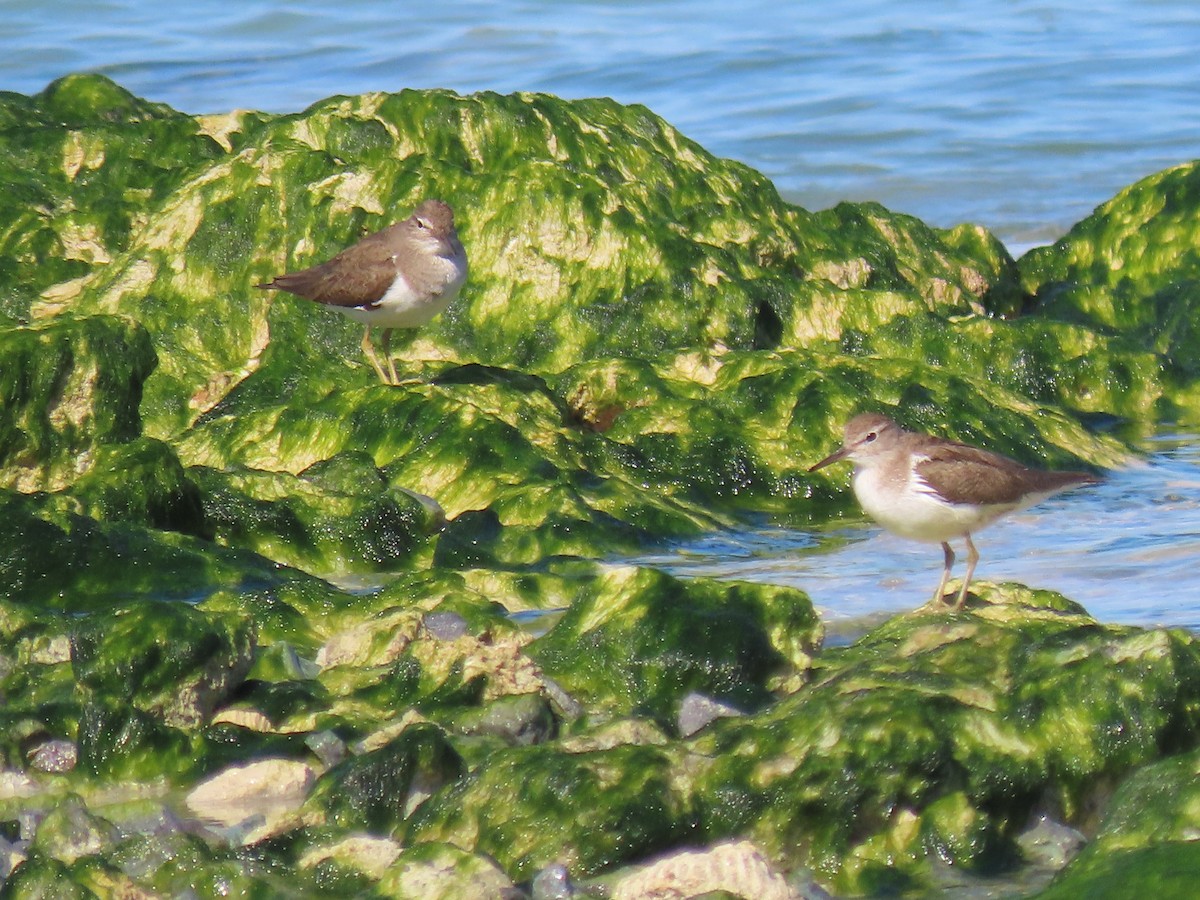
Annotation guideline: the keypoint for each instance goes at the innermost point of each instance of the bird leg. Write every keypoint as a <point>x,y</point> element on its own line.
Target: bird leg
<point>949,555</point>
<point>972,558</point>
<point>369,351</point>
<point>387,354</point>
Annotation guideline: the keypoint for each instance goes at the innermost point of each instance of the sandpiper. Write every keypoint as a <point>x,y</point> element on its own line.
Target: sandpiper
<point>931,489</point>
<point>400,277</point>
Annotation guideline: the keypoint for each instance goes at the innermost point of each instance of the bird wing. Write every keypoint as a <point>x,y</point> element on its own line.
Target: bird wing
<point>964,474</point>
<point>358,276</point>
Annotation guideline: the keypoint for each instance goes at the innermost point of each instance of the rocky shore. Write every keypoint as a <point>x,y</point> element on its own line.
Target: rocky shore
<point>271,628</point>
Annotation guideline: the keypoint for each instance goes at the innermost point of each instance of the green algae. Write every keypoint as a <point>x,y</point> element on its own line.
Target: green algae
<point>141,483</point>
<point>306,522</point>
<point>638,640</point>
<point>1168,871</point>
<point>556,269</point>
<point>59,559</point>
<point>370,792</point>
<point>67,388</point>
<point>939,732</point>
<point>84,160</point>
<point>652,344</point>
<point>533,806</point>
<point>560,455</point>
<point>1130,269</point>
<point>169,659</point>
<point>1147,839</point>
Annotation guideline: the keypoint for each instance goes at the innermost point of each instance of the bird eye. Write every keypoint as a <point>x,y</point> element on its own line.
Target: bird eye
<point>421,223</point>
<point>870,437</point>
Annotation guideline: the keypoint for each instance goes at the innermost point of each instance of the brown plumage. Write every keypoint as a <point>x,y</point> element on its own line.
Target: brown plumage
<point>400,277</point>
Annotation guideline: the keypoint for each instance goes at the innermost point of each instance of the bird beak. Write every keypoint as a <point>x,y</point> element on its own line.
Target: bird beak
<point>836,456</point>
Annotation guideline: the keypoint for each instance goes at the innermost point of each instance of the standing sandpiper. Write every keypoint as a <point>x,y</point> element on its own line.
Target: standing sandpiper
<point>400,277</point>
<point>931,489</point>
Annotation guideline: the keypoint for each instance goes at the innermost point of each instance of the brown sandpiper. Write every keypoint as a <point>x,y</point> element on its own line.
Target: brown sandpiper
<point>931,489</point>
<point>400,277</point>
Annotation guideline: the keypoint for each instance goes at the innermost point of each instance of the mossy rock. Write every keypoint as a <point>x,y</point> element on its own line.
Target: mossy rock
<point>83,161</point>
<point>493,450</point>
<point>644,243</point>
<point>37,682</point>
<point>1058,364</point>
<point>59,559</point>
<point>168,659</point>
<point>638,640</point>
<point>529,807</point>
<point>651,344</point>
<point>613,454</point>
<point>68,387</point>
<point>45,877</point>
<point>1167,871</point>
<point>339,517</point>
<point>940,733</point>
<point>1146,844</point>
<point>439,871</point>
<point>1131,268</point>
<point>141,482</point>
<point>676,272</point>
<point>376,791</point>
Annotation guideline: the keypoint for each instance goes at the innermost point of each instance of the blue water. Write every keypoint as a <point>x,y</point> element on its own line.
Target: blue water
<point>1128,550</point>
<point>1021,116</point>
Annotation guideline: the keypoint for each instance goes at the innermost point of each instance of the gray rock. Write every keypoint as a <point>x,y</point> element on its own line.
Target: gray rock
<point>553,883</point>
<point>327,747</point>
<point>523,719</point>
<point>698,710</point>
<point>568,706</point>
<point>1050,843</point>
<point>54,756</point>
<point>445,626</point>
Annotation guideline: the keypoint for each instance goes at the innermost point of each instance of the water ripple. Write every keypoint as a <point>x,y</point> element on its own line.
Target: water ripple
<point>1021,116</point>
<point>1127,549</point>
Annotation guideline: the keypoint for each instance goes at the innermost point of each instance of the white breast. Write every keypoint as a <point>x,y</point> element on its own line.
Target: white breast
<point>404,307</point>
<point>911,509</point>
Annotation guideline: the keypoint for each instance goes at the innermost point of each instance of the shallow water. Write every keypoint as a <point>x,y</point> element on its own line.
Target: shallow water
<point>1127,549</point>
<point>1021,116</point>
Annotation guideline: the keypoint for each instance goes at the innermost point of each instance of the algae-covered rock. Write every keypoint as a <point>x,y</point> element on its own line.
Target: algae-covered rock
<point>1168,871</point>
<point>1130,268</point>
<point>41,876</point>
<point>84,161</point>
<point>56,558</point>
<point>376,791</point>
<point>937,736</point>
<point>493,449</point>
<point>444,872</point>
<point>593,229</point>
<point>70,831</point>
<point>652,344</point>
<point>941,734</point>
<point>168,659</point>
<point>638,640</point>
<point>66,388</point>
<point>528,807</point>
<point>143,483</point>
<point>1149,841</point>
<point>313,522</point>
<point>596,232</point>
